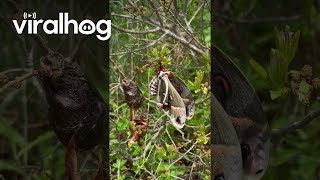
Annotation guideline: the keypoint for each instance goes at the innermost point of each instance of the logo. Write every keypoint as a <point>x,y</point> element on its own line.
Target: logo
<point>26,15</point>
<point>62,25</point>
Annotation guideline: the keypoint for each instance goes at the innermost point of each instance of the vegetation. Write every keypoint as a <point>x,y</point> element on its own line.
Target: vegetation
<point>29,149</point>
<point>275,43</point>
<point>176,33</point>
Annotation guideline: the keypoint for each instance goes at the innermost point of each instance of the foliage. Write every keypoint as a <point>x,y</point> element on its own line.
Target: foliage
<point>162,152</point>
<point>282,64</point>
<point>28,147</point>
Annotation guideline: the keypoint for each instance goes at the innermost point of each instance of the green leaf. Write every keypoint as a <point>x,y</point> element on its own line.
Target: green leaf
<point>277,72</point>
<point>42,138</point>
<point>294,46</point>
<point>10,133</point>
<point>258,68</point>
<point>304,87</point>
<point>198,79</point>
<point>203,139</point>
<point>274,94</point>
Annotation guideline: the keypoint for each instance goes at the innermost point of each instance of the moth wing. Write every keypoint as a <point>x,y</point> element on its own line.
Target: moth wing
<point>185,94</point>
<point>241,100</point>
<point>177,107</point>
<point>225,148</point>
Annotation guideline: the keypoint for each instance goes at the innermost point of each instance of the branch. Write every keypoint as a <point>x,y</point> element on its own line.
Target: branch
<point>18,80</point>
<point>117,69</point>
<point>145,47</point>
<point>14,70</point>
<point>296,125</point>
<point>135,32</point>
<point>163,29</point>
<point>76,49</point>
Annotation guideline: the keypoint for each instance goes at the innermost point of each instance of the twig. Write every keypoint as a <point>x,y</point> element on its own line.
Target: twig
<point>14,70</point>
<point>184,154</point>
<point>18,80</point>
<point>164,30</point>
<point>203,100</point>
<point>76,49</point>
<point>159,131</point>
<point>296,125</point>
<point>117,69</point>
<point>135,32</point>
<point>145,47</point>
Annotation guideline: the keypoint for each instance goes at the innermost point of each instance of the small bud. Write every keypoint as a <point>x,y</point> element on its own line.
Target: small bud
<point>307,71</point>
<point>316,83</point>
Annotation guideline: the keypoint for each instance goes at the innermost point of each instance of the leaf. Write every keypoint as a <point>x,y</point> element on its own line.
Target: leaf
<point>294,45</point>
<point>203,139</point>
<point>258,68</point>
<point>198,79</point>
<point>304,87</point>
<point>71,159</point>
<point>42,138</point>
<point>10,133</point>
<point>274,94</point>
<point>276,71</point>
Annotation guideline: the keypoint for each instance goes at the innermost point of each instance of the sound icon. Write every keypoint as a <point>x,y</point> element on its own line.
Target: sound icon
<point>27,15</point>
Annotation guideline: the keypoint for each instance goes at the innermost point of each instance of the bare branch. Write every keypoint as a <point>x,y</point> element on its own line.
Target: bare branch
<point>18,80</point>
<point>76,49</point>
<point>14,70</point>
<point>297,125</point>
<point>157,12</point>
<point>135,32</point>
<point>149,21</point>
<point>117,69</point>
<point>149,45</point>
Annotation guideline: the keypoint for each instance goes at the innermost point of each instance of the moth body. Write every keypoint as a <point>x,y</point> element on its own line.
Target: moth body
<point>169,97</point>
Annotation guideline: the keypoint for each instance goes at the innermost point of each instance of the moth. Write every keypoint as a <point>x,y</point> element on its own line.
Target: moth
<point>76,109</point>
<point>239,100</point>
<point>226,152</point>
<point>173,93</point>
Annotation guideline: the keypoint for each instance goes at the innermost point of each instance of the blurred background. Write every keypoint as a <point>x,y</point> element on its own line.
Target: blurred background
<point>276,45</point>
<point>28,147</point>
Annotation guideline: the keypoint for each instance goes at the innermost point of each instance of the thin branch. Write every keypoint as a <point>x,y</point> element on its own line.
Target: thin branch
<point>184,154</point>
<point>296,125</point>
<point>157,12</point>
<point>203,100</point>
<point>117,69</point>
<point>145,47</point>
<point>135,32</point>
<point>18,80</point>
<point>153,138</point>
<point>195,14</point>
<point>76,49</point>
<point>14,70</point>
<point>165,30</point>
